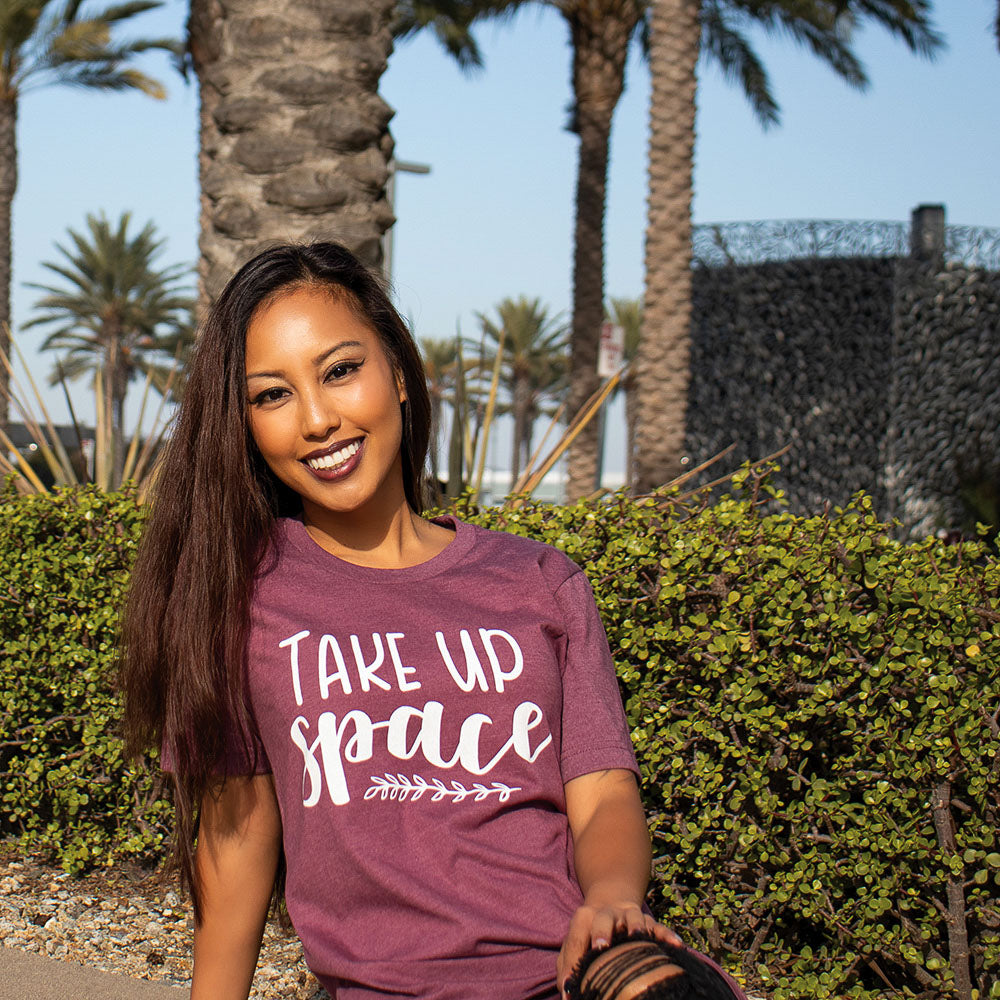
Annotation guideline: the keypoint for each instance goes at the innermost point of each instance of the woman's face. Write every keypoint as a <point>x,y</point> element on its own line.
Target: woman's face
<point>324,404</point>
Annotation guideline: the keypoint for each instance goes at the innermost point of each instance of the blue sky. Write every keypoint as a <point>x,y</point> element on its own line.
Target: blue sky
<point>494,216</point>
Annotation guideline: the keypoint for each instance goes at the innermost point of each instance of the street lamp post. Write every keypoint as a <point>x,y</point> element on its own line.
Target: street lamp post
<point>395,167</point>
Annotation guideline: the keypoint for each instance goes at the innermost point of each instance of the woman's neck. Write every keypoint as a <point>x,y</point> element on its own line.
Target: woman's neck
<point>388,539</point>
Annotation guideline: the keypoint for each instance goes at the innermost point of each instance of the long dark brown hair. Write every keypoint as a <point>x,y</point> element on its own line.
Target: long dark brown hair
<point>187,618</point>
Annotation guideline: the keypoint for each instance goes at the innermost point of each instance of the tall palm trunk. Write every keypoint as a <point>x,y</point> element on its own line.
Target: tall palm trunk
<point>115,387</point>
<point>294,137</point>
<point>521,406</point>
<point>600,36</point>
<point>662,362</point>
<point>436,406</point>
<point>8,185</point>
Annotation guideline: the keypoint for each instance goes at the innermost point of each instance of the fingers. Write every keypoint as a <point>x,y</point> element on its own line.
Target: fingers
<point>661,933</point>
<point>593,927</point>
<point>575,944</point>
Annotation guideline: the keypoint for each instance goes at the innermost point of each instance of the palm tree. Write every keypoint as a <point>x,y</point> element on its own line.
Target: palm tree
<point>44,43</point>
<point>116,314</point>
<point>294,140</point>
<point>679,29</point>
<point>294,136</point>
<point>661,367</point>
<point>627,313</point>
<point>533,366</point>
<point>600,33</point>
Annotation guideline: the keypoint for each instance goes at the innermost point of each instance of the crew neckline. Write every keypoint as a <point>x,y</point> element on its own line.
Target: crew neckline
<point>296,535</point>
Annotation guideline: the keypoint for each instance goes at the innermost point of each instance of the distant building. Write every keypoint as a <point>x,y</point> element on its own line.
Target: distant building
<point>24,440</point>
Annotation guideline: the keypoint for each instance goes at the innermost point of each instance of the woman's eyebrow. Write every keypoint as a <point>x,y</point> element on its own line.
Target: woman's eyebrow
<point>316,362</point>
<point>320,358</point>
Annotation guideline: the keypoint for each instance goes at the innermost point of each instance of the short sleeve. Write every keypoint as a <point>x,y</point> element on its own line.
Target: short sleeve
<point>595,734</point>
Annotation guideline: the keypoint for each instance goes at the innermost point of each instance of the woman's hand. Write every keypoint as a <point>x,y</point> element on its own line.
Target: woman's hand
<point>612,860</point>
<point>596,921</point>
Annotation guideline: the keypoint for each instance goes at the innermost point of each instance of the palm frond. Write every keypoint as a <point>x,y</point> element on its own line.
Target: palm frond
<point>908,20</point>
<point>109,78</point>
<point>80,42</point>
<point>19,20</point>
<point>70,367</point>
<point>60,45</point>
<point>627,313</point>
<point>450,22</point>
<point>124,11</point>
<point>738,62</point>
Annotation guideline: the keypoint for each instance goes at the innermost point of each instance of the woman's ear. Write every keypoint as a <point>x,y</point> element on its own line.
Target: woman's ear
<point>401,389</point>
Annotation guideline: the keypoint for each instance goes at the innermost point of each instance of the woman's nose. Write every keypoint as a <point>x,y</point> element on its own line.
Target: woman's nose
<point>318,416</point>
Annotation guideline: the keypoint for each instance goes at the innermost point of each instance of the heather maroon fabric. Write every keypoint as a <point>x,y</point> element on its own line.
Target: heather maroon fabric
<point>420,724</point>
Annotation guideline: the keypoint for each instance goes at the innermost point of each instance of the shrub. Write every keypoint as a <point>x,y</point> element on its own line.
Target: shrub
<point>814,708</point>
<point>815,713</point>
<point>65,788</point>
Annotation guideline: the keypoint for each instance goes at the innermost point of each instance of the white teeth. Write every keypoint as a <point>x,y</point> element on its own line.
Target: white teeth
<point>337,458</point>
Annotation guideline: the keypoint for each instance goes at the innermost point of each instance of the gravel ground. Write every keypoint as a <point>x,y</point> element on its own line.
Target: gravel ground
<point>130,922</point>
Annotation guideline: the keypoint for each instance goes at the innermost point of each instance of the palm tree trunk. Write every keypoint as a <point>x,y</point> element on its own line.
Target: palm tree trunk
<point>8,185</point>
<point>117,386</point>
<point>521,404</point>
<point>663,358</point>
<point>294,137</point>
<point>529,433</point>
<point>435,438</point>
<point>600,36</point>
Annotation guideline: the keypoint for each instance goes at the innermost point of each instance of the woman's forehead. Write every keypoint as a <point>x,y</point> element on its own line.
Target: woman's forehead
<point>305,319</point>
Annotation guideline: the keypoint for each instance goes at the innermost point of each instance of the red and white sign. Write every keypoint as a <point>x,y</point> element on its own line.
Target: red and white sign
<point>611,353</point>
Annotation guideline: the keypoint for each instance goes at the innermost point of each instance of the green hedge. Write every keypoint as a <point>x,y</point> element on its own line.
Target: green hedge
<point>814,708</point>
<point>64,787</point>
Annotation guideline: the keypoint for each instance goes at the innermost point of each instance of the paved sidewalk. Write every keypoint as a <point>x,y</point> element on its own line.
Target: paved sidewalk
<point>27,976</point>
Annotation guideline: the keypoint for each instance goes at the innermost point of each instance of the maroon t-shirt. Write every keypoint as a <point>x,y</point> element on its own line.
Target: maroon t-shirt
<point>420,724</point>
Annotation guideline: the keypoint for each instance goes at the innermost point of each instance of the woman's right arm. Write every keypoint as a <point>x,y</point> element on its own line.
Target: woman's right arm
<point>239,842</point>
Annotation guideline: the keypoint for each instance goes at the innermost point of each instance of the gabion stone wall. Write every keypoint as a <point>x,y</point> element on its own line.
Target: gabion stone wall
<point>942,446</point>
<point>794,352</point>
<point>882,374</point>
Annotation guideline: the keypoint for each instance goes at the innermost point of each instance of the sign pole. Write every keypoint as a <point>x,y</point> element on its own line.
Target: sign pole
<point>610,355</point>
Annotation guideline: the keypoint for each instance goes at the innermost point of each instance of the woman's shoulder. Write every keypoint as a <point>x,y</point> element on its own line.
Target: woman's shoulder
<point>517,553</point>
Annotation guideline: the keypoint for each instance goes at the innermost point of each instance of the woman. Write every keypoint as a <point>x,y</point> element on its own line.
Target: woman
<point>417,720</point>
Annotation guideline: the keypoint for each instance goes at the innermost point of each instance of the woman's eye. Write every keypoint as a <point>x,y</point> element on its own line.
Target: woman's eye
<point>342,369</point>
<point>267,396</point>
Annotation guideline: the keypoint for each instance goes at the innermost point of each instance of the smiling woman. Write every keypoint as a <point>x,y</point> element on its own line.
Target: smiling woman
<point>418,718</point>
<point>327,410</point>
<point>326,413</point>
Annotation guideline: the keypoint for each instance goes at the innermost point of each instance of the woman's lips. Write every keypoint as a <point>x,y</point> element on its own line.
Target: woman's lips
<point>336,464</point>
